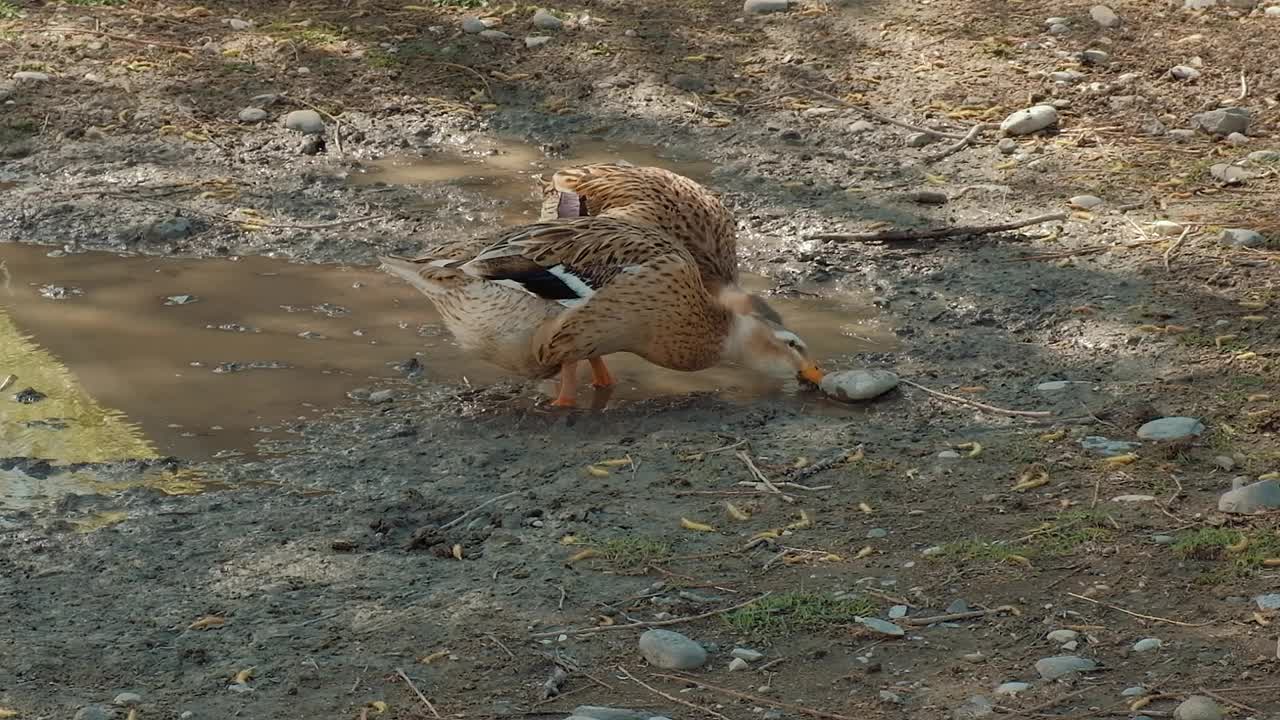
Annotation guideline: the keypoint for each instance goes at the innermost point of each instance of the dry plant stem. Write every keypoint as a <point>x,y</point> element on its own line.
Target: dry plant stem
<point>937,233</point>
<point>756,698</point>
<point>882,118</point>
<point>479,76</point>
<point>1153,618</point>
<point>949,617</point>
<point>1177,245</point>
<point>430,708</point>
<point>963,142</point>
<point>672,698</point>
<point>1227,700</point>
<point>976,404</point>
<point>477,509</point>
<point>1051,703</point>
<point>759,476</point>
<point>655,623</point>
<point>122,38</point>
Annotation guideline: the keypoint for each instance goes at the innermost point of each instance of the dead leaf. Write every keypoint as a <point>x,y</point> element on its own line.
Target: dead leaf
<point>207,622</point>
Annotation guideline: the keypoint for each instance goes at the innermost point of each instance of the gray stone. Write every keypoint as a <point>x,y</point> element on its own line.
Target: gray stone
<point>883,627</point>
<point>544,20</point>
<point>253,115</point>
<point>1237,139</point>
<point>1264,157</point>
<point>1033,119</point>
<point>1104,16</point>
<point>1222,122</point>
<point>1095,57</point>
<point>31,76</point>
<point>1135,691</point>
<point>1247,499</point>
<point>1059,29</point>
<point>817,112</point>
<point>852,385</point>
<point>1148,644</point>
<point>1012,688</point>
<point>127,699</point>
<point>1231,174</point>
<point>1180,135</point>
<point>1106,447</point>
<point>94,712</point>
<point>861,126</point>
<point>1242,237</point>
<point>238,24</point>
<point>747,654</point>
<point>494,35</point>
<point>877,533</point>
<point>1084,202</point>
<point>534,41</point>
<point>738,664</point>
<point>671,650</point>
<point>1062,636</point>
<point>1270,601</point>
<point>928,197</point>
<point>170,229</point>
<point>762,7</point>
<point>1225,463</point>
<point>307,122</point>
<point>1184,72</point>
<point>1198,707</point>
<point>890,697</point>
<point>381,396</point>
<point>1052,668</point>
<point>1167,228</point>
<point>1273,11</point>
<point>897,612</point>
<point>1007,146</point>
<point>1171,429</point>
<point>1163,539</point>
<point>919,140</point>
<point>975,708</point>
<point>600,712</point>
<point>1066,77</point>
<point>948,455</point>
<point>473,25</point>
<point>1057,20</point>
<point>958,605</point>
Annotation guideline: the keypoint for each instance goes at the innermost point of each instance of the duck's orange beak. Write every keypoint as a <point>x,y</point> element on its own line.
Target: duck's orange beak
<point>812,374</point>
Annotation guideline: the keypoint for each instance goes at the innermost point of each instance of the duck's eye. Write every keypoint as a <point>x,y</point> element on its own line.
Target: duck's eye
<point>793,343</point>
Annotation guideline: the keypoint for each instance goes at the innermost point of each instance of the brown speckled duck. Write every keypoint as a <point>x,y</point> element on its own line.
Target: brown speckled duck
<point>538,299</point>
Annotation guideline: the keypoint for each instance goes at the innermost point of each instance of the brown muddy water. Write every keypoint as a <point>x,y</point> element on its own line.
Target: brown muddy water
<point>143,356</point>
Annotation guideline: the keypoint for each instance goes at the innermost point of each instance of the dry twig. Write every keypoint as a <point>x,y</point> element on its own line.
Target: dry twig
<point>477,509</point>
<point>431,708</point>
<point>760,476</point>
<point>882,118</point>
<point>655,623</point>
<point>760,700</point>
<point>1174,247</point>
<point>1153,618</point>
<point>976,404</point>
<point>963,142</point>
<point>672,698</point>
<point>123,38</point>
<point>1220,698</point>
<point>938,233</point>
<point>949,617</point>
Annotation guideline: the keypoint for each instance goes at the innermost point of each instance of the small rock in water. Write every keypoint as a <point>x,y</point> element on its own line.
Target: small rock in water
<point>747,654</point>
<point>253,115</point>
<point>29,396</point>
<point>1062,636</point>
<point>852,385</point>
<point>738,664</point>
<point>1184,72</point>
<point>534,41</point>
<point>307,122</point>
<point>1269,601</point>
<point>1104,16</point>
<point>1012,688</point>
<point>1198,707</point>
<point>762,7</point>
<point>1085,202</point>
<point>883,627</point>
<point>544,20</point>
<point>1222,122</point>
<point>1147,645</point>
<point>1107,447</point>
<point>671,650</point>
<point>473,25</point>
<point>975,708</point>
<point>31,76</point>
<point>94,712</point>
<point>127,699</point>
<point>1052,668</point>
<point>1033,119</point>
<point>1248,499</point>
<point>1242,237</point>
<point>1171,429</point>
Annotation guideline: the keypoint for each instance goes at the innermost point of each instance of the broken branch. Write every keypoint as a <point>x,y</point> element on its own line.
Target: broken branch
<point>937,233</point>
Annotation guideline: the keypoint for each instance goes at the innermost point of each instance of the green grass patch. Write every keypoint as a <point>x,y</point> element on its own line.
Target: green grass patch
<point>1072,530</point>
<point>632,552</point>
<point>800,610</point>
<point>9,11</point>
<point>96,3</point>
<point>978,550</point>
<point>1242,552</point>
<point>460,3</point>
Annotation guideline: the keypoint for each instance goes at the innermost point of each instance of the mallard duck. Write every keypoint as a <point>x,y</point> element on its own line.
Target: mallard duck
<point>538,299</point>
<point>682,208</point>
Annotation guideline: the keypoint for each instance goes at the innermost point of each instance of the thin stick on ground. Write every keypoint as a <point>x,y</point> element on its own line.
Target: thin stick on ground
<point>1048,704</point>
<point>672,698</point>
<point>950,617</point>
<point>976,404</point>
<point>477,509</point>
<point>1244,87</point>
<point>123,38</point>
<point>430,708</point>
<point>877,116</point>
<point>938,233</point>
<point>760,476</point>
<point>655,623</point>
<point>1173,248</point>
<point>963,142</point>
<point>1153,618</point>
<point>758,699</point>
<point>1220,698</point>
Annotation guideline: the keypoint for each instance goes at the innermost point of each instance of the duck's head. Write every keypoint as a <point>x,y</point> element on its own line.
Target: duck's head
<point>769,348</point>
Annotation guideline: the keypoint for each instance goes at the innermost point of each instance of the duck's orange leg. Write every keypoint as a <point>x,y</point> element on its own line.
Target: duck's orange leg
<point>568,385</point>
<point>600,376</point>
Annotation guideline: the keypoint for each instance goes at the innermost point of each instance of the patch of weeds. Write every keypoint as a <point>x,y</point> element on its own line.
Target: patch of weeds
<point>314,37</point>
<point>975,550</point>
<point>406,53</point>
<point>1245,552</point>
<point>9,11</point>
<point>1072,530</point>
<point>96,3</point>
<point>633,552</point>
<point>460,3</point>
<point>1208,543</point>
<point>799,610</point>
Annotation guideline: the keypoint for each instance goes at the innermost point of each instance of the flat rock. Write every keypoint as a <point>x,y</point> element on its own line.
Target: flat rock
<point>853,385</point>
<point>763,7</point>
<point>1084,202</point>
<point>600,712</point>
<point>534,41</point>
<point>975,708</point>
<point>1104,16</point>
<point>127,699</point>
<point>1242,237</point>
<point>94,712</point>
<point>1148,644</point>
<point>919,140</point>
<point>494,35</point>
<point>307,122</point>
<point>1107,447</point>
<point>746,654</point>
<point>1270,601</point>
<point>473,25</point>
<point>1095,57</point>
<point>1231,174</point>
<point>1264,157</point>
<point>544,20</point>
<point>671,650</point>
<point>1222,122</point>
<point>1182,135</point>
<point>1171,429</point>
<point>1184,72</point>
<point>897,612</point>
<point>883,627</point>
<point>1198,707</point>
<point>253,115</point>
<point>1135,691</point>
<point>1248,499</point>
<point>1062,636</point>
<point>1237,139</point>
<point>1052,668</point>
<point>31,76</point>
<point>1012,688</point>
<point>1032,119</point>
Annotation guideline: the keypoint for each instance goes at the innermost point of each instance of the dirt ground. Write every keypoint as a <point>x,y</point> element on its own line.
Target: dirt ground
<point>302,582</point>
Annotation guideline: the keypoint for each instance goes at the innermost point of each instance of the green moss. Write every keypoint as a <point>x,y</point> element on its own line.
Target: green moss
<point>633,552</point>
<point>800,610</point>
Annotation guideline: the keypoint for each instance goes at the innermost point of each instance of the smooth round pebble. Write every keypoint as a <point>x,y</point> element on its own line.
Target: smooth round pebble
<point>1062,636</point>
<point>1171,428</point>
<point>671,650</point>
<point>1012,688</point>
<point>307,122</point>
<point>1085,202</point>
<point>1147,645</point>
<point>473,25</point>
<point>1033,119</point>
<point>1052,668</point>
<point>1198,707</point>
<point>853,385</point>
<point>253,115</point>
<point>30,76</point>
<point>544,20</point>
<point>127,699</point>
